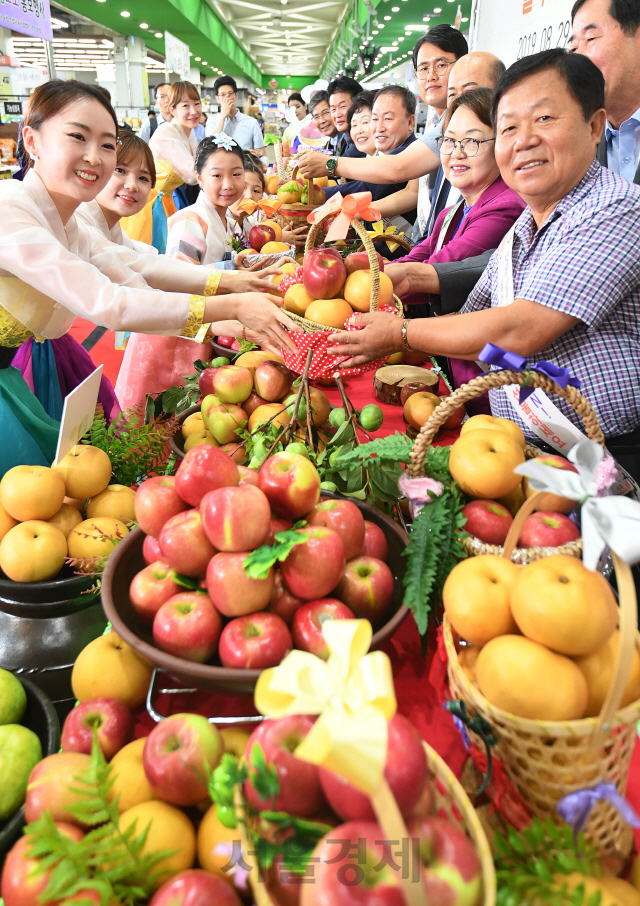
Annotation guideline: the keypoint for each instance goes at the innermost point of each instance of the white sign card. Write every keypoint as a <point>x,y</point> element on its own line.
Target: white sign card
<point>512,29</point>
<point>78,413</point>
<point>177,55</point>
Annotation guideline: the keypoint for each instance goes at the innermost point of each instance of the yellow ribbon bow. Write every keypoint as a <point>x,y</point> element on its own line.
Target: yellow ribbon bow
<point>266,204</point>
<point>379,231</point>
<point>353,694</point>
<point>346,209</point>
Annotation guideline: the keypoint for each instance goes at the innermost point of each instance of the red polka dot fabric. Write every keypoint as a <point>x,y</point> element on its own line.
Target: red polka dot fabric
<point>322,364</point>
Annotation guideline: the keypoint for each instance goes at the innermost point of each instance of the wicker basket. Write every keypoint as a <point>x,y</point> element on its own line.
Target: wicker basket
<point>397,240</point>
<point>451,803</point>
<point>490,381</point>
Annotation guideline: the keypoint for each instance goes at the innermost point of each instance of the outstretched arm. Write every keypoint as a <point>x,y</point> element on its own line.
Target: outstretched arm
<point>414,161</point>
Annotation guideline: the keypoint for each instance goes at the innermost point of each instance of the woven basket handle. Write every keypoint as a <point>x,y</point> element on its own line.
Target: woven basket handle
<point>312,236</point>
<point>516,526</point>
<point>490,381</point>
<point>399,240</point>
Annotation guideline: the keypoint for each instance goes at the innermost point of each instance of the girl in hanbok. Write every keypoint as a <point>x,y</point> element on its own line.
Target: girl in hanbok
<point>53,268</point>
<point>173,146</point>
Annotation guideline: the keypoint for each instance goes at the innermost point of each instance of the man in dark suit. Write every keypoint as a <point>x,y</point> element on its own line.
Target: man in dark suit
<point>341,93</point>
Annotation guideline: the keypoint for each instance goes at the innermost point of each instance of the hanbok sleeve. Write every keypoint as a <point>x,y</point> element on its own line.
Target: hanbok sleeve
<point>167,144</point>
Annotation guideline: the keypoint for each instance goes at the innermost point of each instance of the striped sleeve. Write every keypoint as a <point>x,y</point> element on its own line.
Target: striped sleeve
<point>187,237</point>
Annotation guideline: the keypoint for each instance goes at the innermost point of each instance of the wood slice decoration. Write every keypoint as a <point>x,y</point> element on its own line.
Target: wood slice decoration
<point>389,380</point>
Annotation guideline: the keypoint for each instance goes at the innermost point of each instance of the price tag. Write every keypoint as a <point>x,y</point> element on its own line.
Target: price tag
<point>78,413</point>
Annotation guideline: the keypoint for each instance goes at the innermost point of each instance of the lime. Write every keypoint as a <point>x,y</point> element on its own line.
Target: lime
<point>333,458</point>
<point>219,362</point>
<point>337,417</point>
<point>328,486</point>
<point>290,403</point>
<point>299,448</point>
<point>371,417</point>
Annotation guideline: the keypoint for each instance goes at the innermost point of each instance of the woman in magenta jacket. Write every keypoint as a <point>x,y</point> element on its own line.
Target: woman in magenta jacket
<point>486,211</point>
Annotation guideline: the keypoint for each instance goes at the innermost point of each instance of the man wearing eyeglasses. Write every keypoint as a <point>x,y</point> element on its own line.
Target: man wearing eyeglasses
<point>433,56</point>
<point>321,116</point>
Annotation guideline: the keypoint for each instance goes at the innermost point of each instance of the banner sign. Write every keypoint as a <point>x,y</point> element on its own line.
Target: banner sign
<point>28,17</point>
<point>177,55</point>
<point>24,78</point>
<point>512,29</point>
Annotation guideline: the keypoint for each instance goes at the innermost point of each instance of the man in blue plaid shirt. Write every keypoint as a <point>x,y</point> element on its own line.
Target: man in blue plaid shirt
<point>574,256</point>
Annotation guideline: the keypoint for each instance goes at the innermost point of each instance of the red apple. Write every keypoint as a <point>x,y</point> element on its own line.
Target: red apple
<point>157,500</point>
<point>300,792</point>
<point>189,626</point>
<point>366,586</point>
<point>405,771</point>
<point>487,520</point>
<point>323,274</point>
<point>232,383</point>
<point>277,525</point>
<point>20,885</point>
<point>205,381</point>
<point>314,567</point>
<point>553,502</point>
<point>224,422</point>
<point>344,517</point>
<point>414,387</point>
<point>151,550</point>
<point>236,519</point>
<point>456,418</point>
<point>359,261</point>
<point>375,542</point>
<point>260,234</point>
<point>248,476</point>
<point>209,402</point>
<point>232,591</point>
<point>50,786</point>
<point>306,628</point>
<point>283,602</point>
<point>204,468</point>
<point>178,756</point>
<point>151,587</point>
<point>291,483</point>
<point>184,545</point>
<point>236,451</point>
<point>256,641</point>
<point>252,402</point>
<point>413,358</point>
<point>548,529</point>
<point>112,720</point>
<point>273,380</point>
<point>450,865</point>
<point>195,887</point>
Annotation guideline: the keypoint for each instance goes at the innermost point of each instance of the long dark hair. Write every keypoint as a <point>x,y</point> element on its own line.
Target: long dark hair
<point>210,145</point>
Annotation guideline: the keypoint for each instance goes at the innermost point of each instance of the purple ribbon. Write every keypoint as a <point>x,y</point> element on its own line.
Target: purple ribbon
<point>576,807</point>
<point>511,361</point>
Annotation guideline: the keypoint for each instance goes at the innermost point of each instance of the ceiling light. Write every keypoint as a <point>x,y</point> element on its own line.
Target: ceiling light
<point>143,25</point>
<point>437,9</point>
<point>198,59</point>
<point>204,63</point>
<point>425,18</point>
<point>464,20</point>
<point>374,32</point>
<point>401,38</point>
<point>381,25</point>
<point>159,34</point>
<point>125,14</point>
<point>264,27</point>
<point>395,9</point>
<point>387,18</point>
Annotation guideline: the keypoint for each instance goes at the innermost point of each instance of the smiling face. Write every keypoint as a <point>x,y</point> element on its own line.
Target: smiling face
<point>222,179</point>
<point>187,113</point>
<point>543,145</point>
<point>471,175</point>
<point>128,190</point>
<point>321,116</point>
<point>433,89</point>
<point>75,153</point>
<point>252,186</point>
<point>390,122</point>
<point>360,131</point>
<point>339,104</point>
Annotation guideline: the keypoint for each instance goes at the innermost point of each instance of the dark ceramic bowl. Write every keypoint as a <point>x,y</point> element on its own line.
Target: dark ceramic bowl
<point>39,716</point>
<point>219,350</point>
<point>127,560</point>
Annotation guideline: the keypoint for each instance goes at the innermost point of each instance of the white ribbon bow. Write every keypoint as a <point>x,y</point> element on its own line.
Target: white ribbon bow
<point>606,521</point>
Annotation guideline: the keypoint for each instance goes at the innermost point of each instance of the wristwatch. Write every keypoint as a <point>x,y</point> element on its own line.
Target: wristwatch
<point>331,165</point>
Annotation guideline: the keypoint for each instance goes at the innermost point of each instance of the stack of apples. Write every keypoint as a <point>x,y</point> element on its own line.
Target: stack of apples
<point>333,289</point>
<point>266,239</point>
<point>541,640</point>
<point>255,390</point>
<point>204,524</point>
<point>42,514</point>
<point>482,462</point>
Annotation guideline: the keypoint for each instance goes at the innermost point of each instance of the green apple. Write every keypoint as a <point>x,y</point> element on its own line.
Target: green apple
<point>13,698</point>
<point>337,417</point>
<point>299,448</point>
<point>20,752</point>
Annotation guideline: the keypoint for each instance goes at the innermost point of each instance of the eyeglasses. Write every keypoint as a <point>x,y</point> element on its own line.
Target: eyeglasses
<point>319,117</point>
<point>439,68</point>
<point>468,146</point>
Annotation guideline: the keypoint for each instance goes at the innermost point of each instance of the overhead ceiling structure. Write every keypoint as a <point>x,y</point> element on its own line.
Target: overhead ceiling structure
<point>284,36</point>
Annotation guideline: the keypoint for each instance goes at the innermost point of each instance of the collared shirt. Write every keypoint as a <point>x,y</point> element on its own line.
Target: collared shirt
<point>623,146</point>
<point>145,131</point>
<point>432,131</point>
<point>583,261</point>
<point>244,129</point>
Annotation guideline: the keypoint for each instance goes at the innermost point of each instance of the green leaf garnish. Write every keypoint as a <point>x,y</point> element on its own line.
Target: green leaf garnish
<point>260,561</point>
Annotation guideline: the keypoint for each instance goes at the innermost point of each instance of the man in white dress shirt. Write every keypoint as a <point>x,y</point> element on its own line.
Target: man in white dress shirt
<point>162,100</point>
<point>244,129</point>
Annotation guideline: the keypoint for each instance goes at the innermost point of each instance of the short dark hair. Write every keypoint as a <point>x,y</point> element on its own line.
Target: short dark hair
<point>296,96</point>
<point>159,86</point>
<point>344,85</point>
<point>407,97</point>
<point>478,100</point>
<point>225,80</point>
<point>625,12</point>
<point>362,101</point>
<point>209,146</point>
<point>498,70</point>
<point>251,163</point>
<point>316,97</point>
<point>446,38</point>
<point>582,77</point>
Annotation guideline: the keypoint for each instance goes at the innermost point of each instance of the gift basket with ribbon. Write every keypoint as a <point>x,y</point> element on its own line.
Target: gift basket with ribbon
<point>353,697</point>
<point>341,213</point>
<point>296,212</point>
<point>270,207</point>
